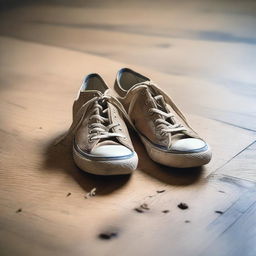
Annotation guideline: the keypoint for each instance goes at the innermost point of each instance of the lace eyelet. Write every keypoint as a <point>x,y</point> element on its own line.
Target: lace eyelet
<point>150,112</point>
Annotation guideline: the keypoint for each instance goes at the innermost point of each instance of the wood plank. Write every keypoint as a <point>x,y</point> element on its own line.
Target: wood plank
<point>239,238</point>
<point>38,84</point>
<point>243,165</point>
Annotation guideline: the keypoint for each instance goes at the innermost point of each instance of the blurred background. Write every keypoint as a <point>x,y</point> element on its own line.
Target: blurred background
<point>205,46</point>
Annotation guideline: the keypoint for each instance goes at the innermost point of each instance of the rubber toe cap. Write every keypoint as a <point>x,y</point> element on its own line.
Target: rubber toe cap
<point>189,145</point>
<point>111,151</point>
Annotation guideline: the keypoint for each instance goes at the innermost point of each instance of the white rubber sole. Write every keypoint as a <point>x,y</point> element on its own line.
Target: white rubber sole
<point>106,167</point>
<point>177,160</point>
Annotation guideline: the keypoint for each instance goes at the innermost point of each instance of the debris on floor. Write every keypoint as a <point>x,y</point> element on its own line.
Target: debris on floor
<point>91,193</point>
<point>68,194</point>
<point>219,212</point>
<point>107,235</point>
<point>160,191</point>
<point>165,211</point>
<point>221,191</point>
<point>142,208</point>
<point>137,209</point>
<point>19,210</point>
<point>187,221</point>
<point>183,206</point>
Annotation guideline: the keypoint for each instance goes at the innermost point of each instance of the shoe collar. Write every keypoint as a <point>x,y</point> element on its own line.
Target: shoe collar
<point>127,78</point>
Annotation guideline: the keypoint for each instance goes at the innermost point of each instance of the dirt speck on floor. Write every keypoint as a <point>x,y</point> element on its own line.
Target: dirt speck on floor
<point>107,235</point>
<point>142,208</point>
<point>219,212</point>
<point>187,221</point>
<point>165,211</point>
<point>160,191</point>
<point>19,210</point>
<point>183,206</point>
<point>138,209</point>
<point>68,194</point>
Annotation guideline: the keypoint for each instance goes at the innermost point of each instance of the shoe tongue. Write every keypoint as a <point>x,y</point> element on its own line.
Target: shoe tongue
<point>89,94</point>
<point>161,105</point>
<point>157,103</point>
<point>106,114</point>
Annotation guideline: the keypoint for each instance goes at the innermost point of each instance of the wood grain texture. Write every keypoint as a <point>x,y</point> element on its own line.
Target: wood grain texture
<point>211,59</point>
<point>45,50</point>
<point>239,239</point>
<point>243,165</point>
<point>37,176</point>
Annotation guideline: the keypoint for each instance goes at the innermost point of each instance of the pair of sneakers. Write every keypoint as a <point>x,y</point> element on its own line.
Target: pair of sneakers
<point>101,141</point>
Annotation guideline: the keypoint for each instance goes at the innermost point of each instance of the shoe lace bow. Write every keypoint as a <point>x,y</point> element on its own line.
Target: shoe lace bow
<point>102,127</point>
<point>166,123</point>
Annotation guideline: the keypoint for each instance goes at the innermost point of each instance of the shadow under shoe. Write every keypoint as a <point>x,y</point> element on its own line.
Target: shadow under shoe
<point>168,175</point>
<point>60,157</point>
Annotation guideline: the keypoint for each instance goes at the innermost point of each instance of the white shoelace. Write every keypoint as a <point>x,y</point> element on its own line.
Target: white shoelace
<point>162,124</point>
<point>98,128</point>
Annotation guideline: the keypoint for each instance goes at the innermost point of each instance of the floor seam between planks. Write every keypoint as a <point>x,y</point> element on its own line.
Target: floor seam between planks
<point>219,168</point>
<point>234,125</point>
<point>235,177</point>
<point>238,218</point>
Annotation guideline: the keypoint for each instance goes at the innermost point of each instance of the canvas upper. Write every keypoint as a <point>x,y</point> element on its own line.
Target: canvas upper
<point>155,116</point>
<point>98,127</point>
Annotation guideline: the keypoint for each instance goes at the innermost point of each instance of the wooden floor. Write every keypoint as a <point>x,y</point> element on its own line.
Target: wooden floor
<point>203,53</point>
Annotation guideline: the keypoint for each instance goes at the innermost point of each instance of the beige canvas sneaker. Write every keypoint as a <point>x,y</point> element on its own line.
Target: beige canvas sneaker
<point>163,129</point>
<point>101,144</point>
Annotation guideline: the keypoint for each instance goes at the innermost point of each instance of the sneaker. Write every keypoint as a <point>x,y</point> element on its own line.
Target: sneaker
<point>101,144</point>
<point>163,129</point>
